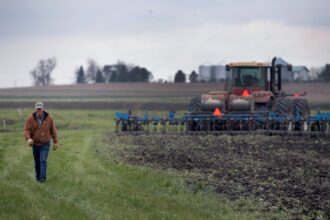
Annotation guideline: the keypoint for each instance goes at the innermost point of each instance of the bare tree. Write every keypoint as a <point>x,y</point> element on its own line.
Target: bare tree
<point>92,70</point>
<point>41,74</point>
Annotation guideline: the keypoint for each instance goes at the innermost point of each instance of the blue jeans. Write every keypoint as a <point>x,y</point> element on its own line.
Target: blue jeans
<point>40,155</point>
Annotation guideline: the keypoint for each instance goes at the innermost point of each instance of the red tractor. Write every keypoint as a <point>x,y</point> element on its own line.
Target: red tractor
<point>254,87</point>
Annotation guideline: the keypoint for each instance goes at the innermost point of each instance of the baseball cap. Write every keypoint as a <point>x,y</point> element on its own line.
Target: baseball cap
<point>39,105</point>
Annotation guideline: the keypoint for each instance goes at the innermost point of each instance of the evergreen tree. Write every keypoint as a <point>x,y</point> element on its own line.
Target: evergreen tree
<point>99,77</point>
<point>80,76</point>
<point>193,77</point>
<point>180,77</point>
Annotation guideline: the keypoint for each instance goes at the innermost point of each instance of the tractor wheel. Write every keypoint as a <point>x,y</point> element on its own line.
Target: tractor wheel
<point>300,111</point>
<point>283,107</point>
<point>195,105</point>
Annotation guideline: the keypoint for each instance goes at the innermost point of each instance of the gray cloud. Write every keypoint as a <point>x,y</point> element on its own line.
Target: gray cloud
<point>37,17</point>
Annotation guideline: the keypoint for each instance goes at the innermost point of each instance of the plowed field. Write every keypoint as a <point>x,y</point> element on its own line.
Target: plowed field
<point>291,174</point>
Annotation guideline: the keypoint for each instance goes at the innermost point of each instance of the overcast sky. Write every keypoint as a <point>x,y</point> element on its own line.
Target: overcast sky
<point>162,36</point>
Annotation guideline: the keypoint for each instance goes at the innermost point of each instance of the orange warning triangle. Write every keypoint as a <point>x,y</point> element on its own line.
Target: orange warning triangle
<point>217,112</point>
<point>245,92</point>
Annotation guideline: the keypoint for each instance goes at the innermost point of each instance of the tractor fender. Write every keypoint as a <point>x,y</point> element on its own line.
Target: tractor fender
<point>262,96</point>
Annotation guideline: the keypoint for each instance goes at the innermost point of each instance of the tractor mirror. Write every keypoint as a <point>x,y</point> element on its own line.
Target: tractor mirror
<point>227,68</point>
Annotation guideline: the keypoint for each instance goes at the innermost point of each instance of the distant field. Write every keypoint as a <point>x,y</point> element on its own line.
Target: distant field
<point>136,95</point>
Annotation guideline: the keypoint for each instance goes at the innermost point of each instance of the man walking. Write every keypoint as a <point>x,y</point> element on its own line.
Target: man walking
<point>38,130</point>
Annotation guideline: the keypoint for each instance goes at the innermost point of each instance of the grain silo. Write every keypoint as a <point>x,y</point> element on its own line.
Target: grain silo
<point>205,72</point>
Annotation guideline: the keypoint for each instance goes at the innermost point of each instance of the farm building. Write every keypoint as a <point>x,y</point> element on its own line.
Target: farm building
<point>300,73</point>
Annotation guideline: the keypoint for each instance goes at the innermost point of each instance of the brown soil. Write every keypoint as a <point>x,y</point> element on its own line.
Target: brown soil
<point>291,174</point>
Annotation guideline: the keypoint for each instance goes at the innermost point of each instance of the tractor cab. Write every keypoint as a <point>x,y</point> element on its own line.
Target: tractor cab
<point>254,77</point>
<point>247,76</point>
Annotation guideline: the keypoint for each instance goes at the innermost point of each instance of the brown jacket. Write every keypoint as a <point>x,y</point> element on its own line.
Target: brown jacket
<point>43,134</point>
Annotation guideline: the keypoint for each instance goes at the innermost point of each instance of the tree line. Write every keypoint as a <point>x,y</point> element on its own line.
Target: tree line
<point>122,72</point>
<point>180,77</point>
<point>119,72</point>
<point>94,73</point>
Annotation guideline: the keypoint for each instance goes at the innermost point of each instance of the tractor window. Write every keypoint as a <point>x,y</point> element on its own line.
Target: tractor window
<point>249,76</point>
